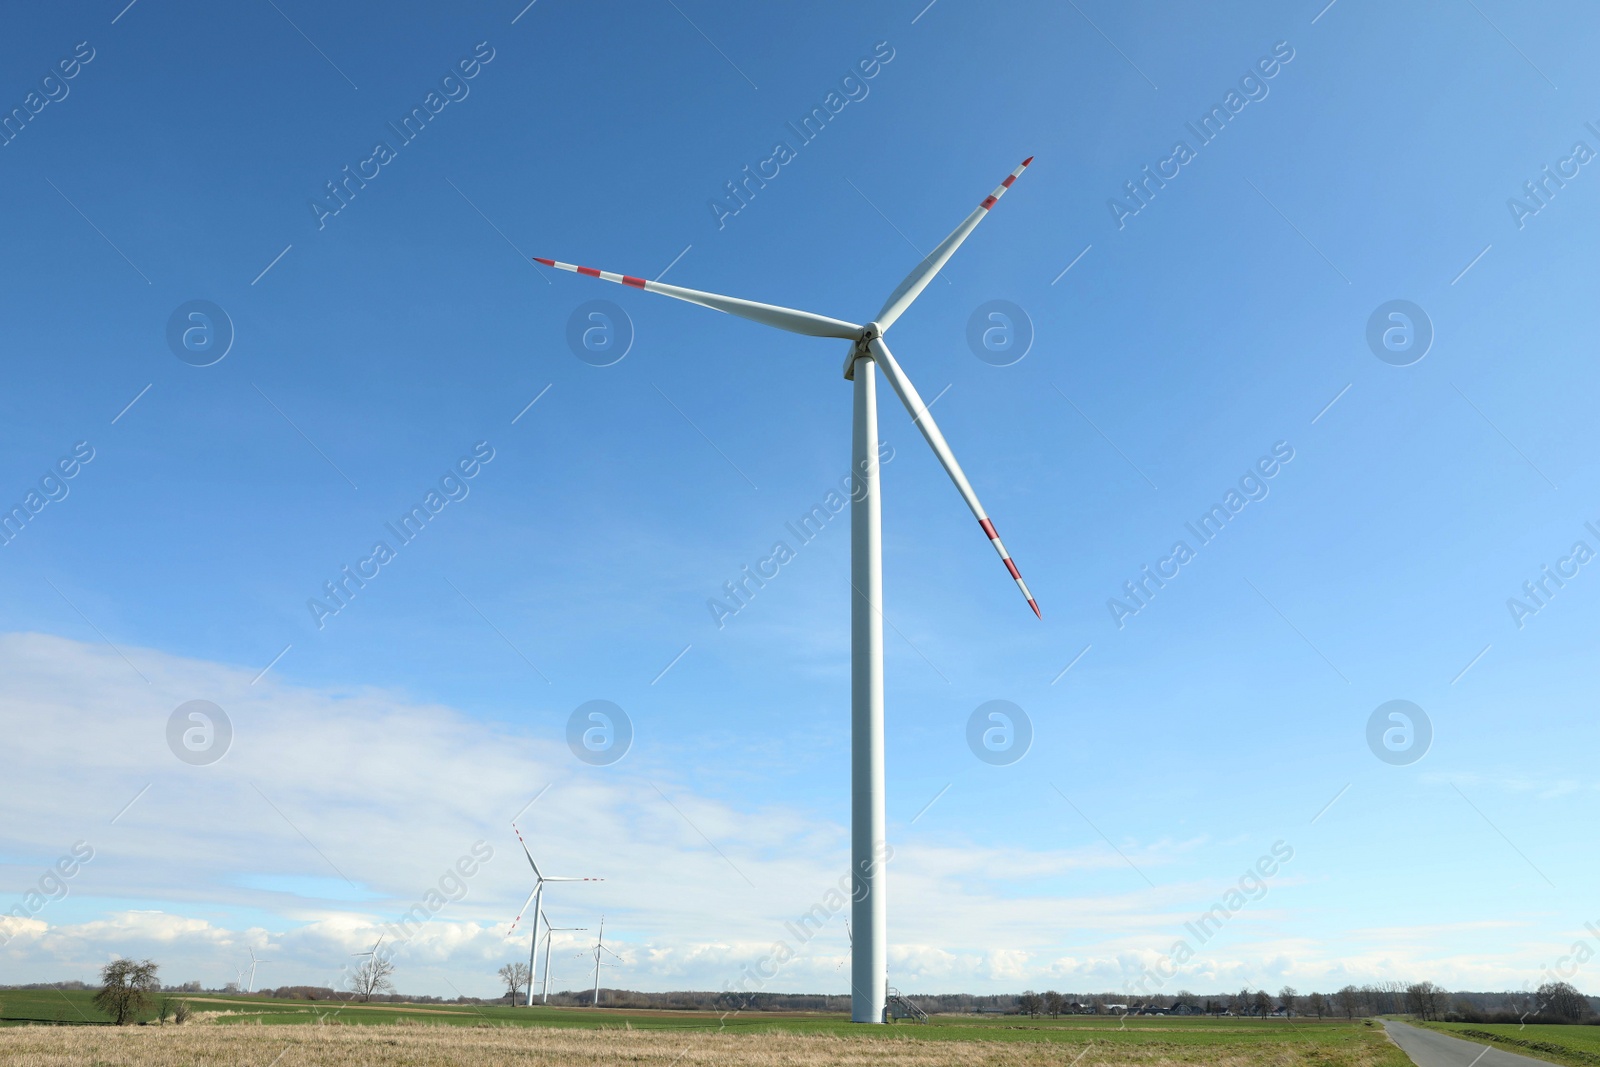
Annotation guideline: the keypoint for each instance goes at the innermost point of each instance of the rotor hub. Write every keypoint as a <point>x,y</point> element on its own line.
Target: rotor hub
<point>861,349</point>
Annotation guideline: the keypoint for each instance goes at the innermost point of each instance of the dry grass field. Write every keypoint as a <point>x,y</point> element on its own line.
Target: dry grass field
<point>422,1045</point>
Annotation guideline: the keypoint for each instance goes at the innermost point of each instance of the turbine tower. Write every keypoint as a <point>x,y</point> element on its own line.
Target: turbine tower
<point>536,898</point>
<point>868,354</point>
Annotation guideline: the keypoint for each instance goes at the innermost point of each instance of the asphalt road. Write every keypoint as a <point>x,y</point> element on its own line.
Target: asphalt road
<point>1430,1048</point>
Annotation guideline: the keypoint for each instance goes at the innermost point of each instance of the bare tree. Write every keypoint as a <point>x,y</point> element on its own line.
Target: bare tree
<point>125,989</point>
<point>1052,1003</point>
<point>1434,999</point>
<point>1388,997</point>
<point>373,977</point>
<point>1288,997</point>
<point>1560,1000</point>
<point>1262,1000</point>
<point>1423,1000</point>
<point>1030,1003</point>
<point>1317,1004</point>
<point>515,976</point>
<point>1349,1001</point>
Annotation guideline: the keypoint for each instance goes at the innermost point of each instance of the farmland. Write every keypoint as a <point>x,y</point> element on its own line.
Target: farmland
<point>51,1027</point>
<point>1576,1046</point>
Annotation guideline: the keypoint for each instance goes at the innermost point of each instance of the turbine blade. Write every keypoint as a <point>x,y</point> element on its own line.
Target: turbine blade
<point>522,910</point>
<point>526,853</point>
<point>553,878</point>
<point>783,318</point>
<point>930,430</point>
<point>931,264</point>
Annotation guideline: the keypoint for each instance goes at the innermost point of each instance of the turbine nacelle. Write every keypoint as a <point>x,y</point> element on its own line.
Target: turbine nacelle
<point>861,349</point>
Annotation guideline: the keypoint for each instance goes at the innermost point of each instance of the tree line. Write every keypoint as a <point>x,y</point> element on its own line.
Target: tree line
<point>1553,1002</point>
<point>128,991</point>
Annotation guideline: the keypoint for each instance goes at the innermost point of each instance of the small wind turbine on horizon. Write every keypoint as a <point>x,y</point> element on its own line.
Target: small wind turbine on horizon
<point>599,947</point>
<point>254,963</point>
<point>869,975</point>
<point>549,936</point>
<point>536,898</point>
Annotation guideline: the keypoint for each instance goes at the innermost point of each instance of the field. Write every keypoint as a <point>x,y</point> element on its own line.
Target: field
<point>47,1028</point>
<point>1577,1046</point>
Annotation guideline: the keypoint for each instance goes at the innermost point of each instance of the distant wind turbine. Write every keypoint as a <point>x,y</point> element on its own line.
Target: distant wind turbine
<point>599,947</point>
<point>254,963</point>
<point>868,353</point>
<point>549,936</point>
<point>536,898</point>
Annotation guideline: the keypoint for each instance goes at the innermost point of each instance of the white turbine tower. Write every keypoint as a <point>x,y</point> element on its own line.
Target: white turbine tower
<point>254,963</point>
<point>536,898</point>
<point>549,936</point>
<point>868,353</point>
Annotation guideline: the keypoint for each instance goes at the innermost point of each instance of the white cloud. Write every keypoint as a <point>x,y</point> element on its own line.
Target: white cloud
<point>335,812</point>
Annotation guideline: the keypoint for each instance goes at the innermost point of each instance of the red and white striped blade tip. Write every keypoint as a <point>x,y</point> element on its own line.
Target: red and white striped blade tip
<point>1000,190</point>
<point>1011,565</point>
<point>591,272</point>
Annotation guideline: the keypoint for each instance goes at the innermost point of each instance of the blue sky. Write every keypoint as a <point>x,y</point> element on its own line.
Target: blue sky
<point>376,347</point>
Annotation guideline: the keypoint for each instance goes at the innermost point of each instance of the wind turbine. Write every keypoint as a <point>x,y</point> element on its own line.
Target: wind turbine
<point>599,947</point>
<point>549,936</point>
<point>536,898</point>
<point>253,964</point>
<point>373,951</point>
<point>869,976</point>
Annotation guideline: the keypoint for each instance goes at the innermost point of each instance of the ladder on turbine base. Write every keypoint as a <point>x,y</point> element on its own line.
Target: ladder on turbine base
<point>901,1008</point>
